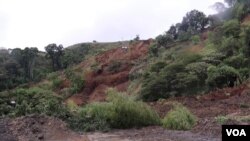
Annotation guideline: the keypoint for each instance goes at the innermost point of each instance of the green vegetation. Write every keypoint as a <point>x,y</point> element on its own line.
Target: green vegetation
<point>224,119</point>
<point>77,82</point>
<point>119,112</point>
<point>31,101</point>
<point>223,62</point>
<point>179,119</point>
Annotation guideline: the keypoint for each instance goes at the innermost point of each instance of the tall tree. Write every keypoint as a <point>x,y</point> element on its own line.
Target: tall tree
<point>55,53</point>
<point>29,55</point>
<point>194,21</point>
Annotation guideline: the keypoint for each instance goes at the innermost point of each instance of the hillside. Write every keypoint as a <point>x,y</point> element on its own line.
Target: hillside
<point>181,86</point>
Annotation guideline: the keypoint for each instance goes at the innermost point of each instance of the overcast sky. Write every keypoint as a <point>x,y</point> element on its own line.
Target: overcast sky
<point>37,23</point>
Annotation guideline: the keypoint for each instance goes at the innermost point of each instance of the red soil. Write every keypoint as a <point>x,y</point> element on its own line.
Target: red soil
<point>97,82</point>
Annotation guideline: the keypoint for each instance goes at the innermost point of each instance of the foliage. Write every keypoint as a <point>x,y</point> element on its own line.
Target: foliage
<point>170,80</point>
<point>222,76</point>
<point>77,82</point>
<point>32,101</point>
<point>74,56</point>
<point>195,39</point>
<point>194,21</point>
<point>237,62</point>
<point>55,53</point>
<point>57,82</point>
<point>221,119</point>
<point>153,50</point>
<point>230,46</point>
<point>19,66</point>
<point>179,118</point>
<point>114,66</point>
<point>130,113</point>
<point>231,28</point>
<point>119,112</point>
<point>164,40</point>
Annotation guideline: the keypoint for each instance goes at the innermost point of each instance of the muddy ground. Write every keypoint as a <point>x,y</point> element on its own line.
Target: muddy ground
<point>230,102</point>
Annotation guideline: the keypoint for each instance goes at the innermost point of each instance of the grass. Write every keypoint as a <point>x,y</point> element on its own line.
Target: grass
<point>179,118</point>
<point>221,119</point>
<point>119,112</point>
<point>224,119</point>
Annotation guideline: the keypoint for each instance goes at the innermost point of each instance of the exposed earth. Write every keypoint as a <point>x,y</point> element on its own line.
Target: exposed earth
<point>231,102</point>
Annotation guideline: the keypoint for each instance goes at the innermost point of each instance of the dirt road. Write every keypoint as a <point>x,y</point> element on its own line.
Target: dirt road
<point>33,128</point>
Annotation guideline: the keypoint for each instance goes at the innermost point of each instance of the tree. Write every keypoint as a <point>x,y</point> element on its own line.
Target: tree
<point>247,42</point>
<point>17,55</point>
<point>194,21</point>
<point>137,38</point>
<point>173,32</point>
<point>55,53</point>
<point>164,40</point>
<point>29,55</point>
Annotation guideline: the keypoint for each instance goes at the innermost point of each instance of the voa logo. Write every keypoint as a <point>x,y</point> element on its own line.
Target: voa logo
<point>236,132</point>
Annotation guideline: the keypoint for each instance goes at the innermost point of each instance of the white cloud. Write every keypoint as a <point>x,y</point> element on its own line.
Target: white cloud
<point>40,22</point>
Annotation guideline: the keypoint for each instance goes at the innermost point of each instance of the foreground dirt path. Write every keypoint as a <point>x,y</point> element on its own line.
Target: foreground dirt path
<point>33,128</point>
<point>149,134</point>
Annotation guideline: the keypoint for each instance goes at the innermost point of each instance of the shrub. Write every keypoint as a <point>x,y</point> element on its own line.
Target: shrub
<point>200,69</point>
<point>236,61</point>
<point>119,112</point>
<point>244,73</point>
<point>153,50</point>
<point>52,76</point>
<point>221,119</point>
<point>230,46</point>
<point>195,39</point>
<point>158,66</point>
<point>130,113</point>
<point>56,83</point>
<point>77,82</point>
<point>231,28</point>
<point>221,76</point>
<point>95,116</point>
<point>173,80</point>
<point>33,101</point>
<point>179,118</point>
<point>114,66</point>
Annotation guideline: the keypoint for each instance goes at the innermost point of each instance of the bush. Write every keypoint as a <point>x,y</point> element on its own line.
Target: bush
<point>158,66</point>
<point>153,50</point>
<point>236,61</point>
<point>231,28</point>
<point>230,46</point>
<point>77,82</point>
<point>52,76</point>
<point>180,118</point>
<point>171,80</point>
<point>195,39</point>
<point>222,76</point>
<point>200,69</point>
<point>244,73</point>
<point>56,83</point>
<point>119,112</point>
<point>114,66</point>
<point>130,113</point>
<point>33,101</point>
<point>77,85</point>
<point>95,116</point>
